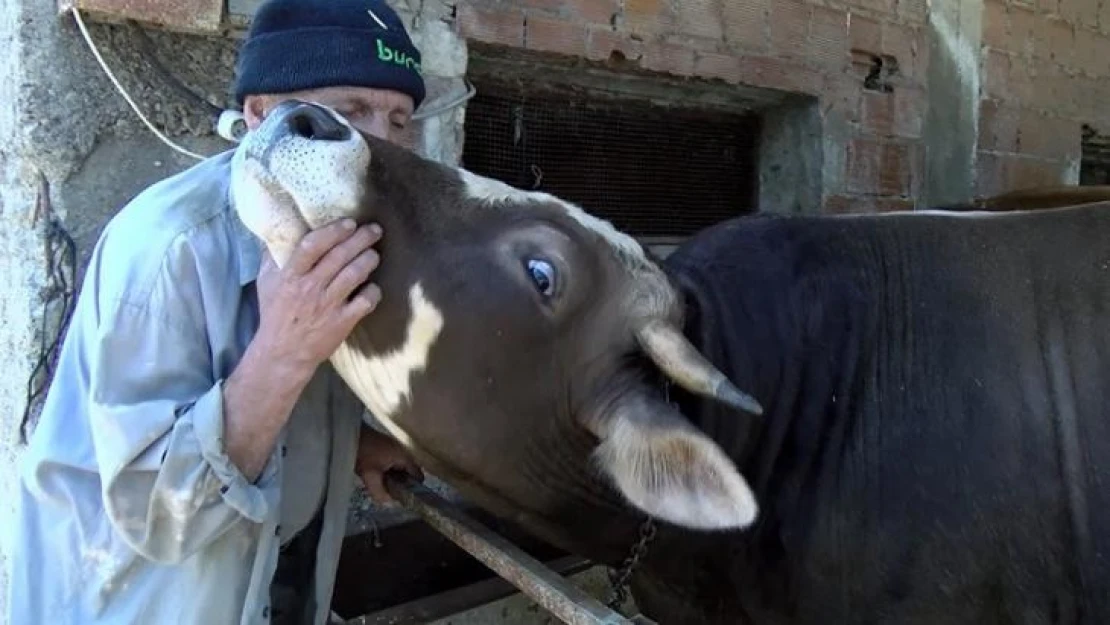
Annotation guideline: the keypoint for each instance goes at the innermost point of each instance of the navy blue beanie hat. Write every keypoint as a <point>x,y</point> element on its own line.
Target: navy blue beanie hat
<point>307,44</point>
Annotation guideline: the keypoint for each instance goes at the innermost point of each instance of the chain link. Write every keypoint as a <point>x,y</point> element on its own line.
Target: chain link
<point>618,578</point>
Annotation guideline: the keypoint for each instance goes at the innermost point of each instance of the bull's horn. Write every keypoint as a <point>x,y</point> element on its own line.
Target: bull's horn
<point>684,364</point>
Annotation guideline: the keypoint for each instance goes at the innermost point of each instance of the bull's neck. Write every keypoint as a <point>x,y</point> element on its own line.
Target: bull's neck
<point>788,318</point>
<point>785,308</point>
<point>592,519</point>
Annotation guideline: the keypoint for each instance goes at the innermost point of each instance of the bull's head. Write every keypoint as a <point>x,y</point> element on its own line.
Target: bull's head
<point>504,350</point>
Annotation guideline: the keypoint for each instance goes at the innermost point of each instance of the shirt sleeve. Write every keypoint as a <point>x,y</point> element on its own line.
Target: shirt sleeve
<point>156,413</point>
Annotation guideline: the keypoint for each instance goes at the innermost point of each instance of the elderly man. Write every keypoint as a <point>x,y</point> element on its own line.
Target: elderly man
<point>196,452</point>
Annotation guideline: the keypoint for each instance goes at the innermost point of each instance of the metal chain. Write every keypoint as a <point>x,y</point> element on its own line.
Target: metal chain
<point>618,579</point>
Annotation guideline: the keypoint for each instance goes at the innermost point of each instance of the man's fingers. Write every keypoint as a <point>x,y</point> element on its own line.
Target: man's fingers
<point>375,488</point>
<point>415,471</point>
<point>364,301</point>
<point>353,275</point>
<point>312,246</point>
<point>340,257</point>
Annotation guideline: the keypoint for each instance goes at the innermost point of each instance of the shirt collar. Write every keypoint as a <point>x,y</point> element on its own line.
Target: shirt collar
<point>247,245</point>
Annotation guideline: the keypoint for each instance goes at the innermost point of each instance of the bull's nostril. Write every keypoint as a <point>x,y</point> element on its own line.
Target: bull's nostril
<point>302,127</point>
<point>312,122</point>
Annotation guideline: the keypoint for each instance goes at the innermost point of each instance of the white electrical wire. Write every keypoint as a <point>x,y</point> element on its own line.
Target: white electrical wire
<point>123,92</point>
<point>421,114</point>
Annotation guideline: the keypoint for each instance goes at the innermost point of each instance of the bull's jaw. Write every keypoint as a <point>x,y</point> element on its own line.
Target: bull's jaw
<point>286,180</point>
<point>383,381</point>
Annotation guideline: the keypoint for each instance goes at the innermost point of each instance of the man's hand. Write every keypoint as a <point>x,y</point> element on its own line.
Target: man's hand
<point>309,306</point>
<point>377,455</point>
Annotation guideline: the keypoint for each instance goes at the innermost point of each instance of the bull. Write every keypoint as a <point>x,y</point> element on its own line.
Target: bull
<point>897,419</point>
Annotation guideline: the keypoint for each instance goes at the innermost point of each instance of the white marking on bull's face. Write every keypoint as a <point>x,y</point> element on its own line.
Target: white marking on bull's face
<point>284,184</point>
<point>266,210</point>
<point>384,381</point>
<point>654,295</point>
<point>489,190</point>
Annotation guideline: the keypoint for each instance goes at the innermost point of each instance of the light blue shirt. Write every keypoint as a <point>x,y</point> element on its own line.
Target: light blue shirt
<point>129,509</point>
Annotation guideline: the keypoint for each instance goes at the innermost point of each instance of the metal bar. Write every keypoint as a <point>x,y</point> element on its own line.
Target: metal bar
<point>562,598</point>
<point>456,600</point>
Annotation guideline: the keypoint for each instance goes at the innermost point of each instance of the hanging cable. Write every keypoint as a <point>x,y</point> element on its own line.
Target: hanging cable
<point>123,92</point>
<point>438,110</point>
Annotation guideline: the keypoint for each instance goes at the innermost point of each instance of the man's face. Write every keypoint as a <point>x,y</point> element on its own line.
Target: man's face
<point>384,113</point>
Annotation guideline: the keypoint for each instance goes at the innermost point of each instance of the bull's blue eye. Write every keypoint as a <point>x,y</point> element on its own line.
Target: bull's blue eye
<point>543,276</point>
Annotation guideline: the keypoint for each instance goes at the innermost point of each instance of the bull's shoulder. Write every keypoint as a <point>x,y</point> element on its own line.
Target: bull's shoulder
<point>740,237</point>
<point>776,246</point>
<point>788,275</point>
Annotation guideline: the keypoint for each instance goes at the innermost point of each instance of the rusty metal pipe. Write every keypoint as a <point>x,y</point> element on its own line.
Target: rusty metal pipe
<point>554,593</point>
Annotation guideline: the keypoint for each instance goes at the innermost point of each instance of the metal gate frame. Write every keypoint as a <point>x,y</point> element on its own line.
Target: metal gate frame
<point>539,582</point>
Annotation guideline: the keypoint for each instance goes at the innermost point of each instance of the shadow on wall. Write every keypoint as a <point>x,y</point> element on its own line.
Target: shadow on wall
<point>951,125</point>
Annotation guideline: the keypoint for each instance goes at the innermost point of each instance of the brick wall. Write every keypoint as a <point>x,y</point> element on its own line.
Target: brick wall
<point>874,149</point>
<point>1031,135</point>
<point>792,45</point>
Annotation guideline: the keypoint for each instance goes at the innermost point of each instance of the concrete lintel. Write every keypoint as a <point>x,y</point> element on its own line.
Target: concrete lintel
<point>187,16</point>
<point>508,64</point>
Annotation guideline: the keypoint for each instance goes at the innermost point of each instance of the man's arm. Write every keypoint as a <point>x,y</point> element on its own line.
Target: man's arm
<point>307,309</point>
<point>184,456</point>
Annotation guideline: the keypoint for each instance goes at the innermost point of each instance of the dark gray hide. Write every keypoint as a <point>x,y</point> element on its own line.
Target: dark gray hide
<point>936,447</point>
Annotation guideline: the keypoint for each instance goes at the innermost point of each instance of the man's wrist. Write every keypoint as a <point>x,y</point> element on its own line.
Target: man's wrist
<point>282,370</point>
<point>259,396</point>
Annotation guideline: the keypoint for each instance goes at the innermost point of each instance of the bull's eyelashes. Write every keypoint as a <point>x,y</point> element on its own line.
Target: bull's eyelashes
<point>543,276</point>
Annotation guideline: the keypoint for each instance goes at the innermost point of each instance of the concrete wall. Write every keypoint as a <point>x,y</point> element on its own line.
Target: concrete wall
<point>952,120</point>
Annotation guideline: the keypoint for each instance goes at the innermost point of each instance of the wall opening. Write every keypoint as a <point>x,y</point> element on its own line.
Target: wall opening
<point>655,171</point>
<point>1094,164</point>
<point>661,158</point>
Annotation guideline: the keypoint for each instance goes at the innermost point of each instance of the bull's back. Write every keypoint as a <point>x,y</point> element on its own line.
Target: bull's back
<point>982,447</point>
<point>963,476</point>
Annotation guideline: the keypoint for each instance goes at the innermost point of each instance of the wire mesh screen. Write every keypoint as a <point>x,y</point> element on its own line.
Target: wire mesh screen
<point>653,171</point>
<point>1094,167</point>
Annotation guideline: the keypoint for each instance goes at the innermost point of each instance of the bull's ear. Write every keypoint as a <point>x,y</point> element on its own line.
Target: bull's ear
<point>668,468</point>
